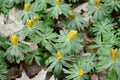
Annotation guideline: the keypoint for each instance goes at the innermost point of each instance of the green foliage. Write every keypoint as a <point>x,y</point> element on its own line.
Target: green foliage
<point>76,23</point>
<point>88,60</point>
<point>3,42</point>
<point>58,33</point>
<point>111,75</point>
<point>97,12</point>
<point>3,66</point>
<point>112,5</point>
<point>74,1</point>
<point>110,64</point>
<point>25,15</point>
<point>103,26</point>
<point>56,64</point>
<point>46,37</point>
<point>14,51</point>
<point>35,56</point>
<point>17,1</point>
<point>73,45</point>
<point>42,4</point>
<point>28,31</point>
<point>5,6</point>
<point>73,72</point>
<point>57,10</point>
<point>82,63</point>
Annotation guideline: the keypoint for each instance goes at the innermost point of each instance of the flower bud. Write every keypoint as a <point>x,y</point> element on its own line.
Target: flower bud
<point>26,7</point>
<point>35,18</point>
<point>58,2</point>
<point>72,15</point>
<point>13,39</point>
<point>30,23</point>
<point>113,53</point>
<point>97,3</point>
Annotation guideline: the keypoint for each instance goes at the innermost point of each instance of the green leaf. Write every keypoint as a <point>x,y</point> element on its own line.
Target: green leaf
<point>38,60</point>
<point>58,68</point>
<point>112,75</point>
<point>48,46</point>
<point>74,1</point>
<point>3,42</point>
<point>51,66</point>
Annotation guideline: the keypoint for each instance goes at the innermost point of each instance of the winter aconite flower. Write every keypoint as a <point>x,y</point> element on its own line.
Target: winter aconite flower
<point>13,39</point>
<point>58,2</point>
<point>59,55</point>
<point>72,15</point>
<point>30,23</point>
<point>81,72</point>
<point>113,54</point>
<point>72,34</point>
<point>26,7</point>
<point>35,18</point>
<point>97,3</point>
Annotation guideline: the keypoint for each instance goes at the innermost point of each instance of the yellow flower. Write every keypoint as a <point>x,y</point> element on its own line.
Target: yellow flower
<point>26,7</point>
<point>113,53</point>
<point>81,72</point>
<point>30,23</point>
<point>72,15</point>
<point>59,55</point>
<point>58,2</point>
<point>97,3</point>
<point>35,19</point>
<point>13,39</point>
<point>72,34</point>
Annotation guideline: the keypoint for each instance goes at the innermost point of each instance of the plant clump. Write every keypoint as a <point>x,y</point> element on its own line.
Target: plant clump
<point>66,43</point>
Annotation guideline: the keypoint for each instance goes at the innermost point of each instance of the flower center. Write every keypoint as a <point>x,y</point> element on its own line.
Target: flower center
<point>81,72</point>
<point>59,55</point>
